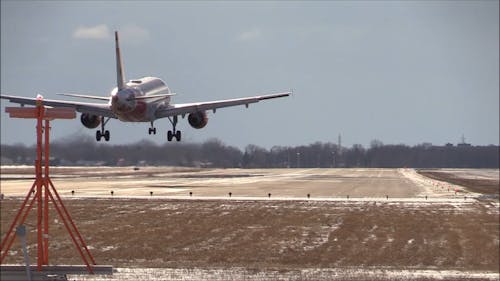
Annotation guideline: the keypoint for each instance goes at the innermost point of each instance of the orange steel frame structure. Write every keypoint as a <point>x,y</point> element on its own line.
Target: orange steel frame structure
<point>43,191</point>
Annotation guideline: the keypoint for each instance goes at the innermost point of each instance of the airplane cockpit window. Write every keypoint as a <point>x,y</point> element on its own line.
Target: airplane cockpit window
<point>136,81</point>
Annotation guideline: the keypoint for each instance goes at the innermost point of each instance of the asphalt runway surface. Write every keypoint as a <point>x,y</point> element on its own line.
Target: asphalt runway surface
<point>280,183</point>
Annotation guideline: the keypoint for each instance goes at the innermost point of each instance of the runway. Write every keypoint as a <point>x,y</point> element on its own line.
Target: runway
<point>219,183</point>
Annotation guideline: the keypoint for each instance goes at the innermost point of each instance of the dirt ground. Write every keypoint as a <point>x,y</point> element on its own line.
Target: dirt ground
<point>200,238</point>
<point>475,182</point>
<point>276,234</point>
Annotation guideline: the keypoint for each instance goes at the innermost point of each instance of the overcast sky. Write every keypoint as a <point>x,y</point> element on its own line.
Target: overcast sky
<point>400,72</point>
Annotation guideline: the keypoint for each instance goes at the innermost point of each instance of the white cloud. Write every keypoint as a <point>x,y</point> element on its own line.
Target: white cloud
<point>100,31</point>
<point>250,35</point>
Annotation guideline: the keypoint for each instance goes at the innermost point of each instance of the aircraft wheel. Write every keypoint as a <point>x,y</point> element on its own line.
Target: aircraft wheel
<point>178,135</point>
<point>98,135</point>
<point>169,136</point>
<point>106,135</point>
<point>154,131</point>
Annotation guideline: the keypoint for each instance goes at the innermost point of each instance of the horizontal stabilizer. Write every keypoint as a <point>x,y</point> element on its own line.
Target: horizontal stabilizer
<point>83,96</point>
<point>151,97</point>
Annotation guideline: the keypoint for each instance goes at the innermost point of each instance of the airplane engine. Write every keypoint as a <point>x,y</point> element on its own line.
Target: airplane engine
<point>90,121</point>
<point>198,119</point>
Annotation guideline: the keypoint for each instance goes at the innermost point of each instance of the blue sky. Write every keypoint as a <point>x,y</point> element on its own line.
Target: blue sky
<point>400,72</point>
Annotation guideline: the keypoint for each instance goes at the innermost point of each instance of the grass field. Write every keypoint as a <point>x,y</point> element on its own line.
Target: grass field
<point>276,235</point>
<point>330,237</point>
<point>487,186</point>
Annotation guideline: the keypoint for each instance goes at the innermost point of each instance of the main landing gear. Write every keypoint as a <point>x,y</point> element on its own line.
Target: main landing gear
<point>102,133</point>
<point>152,130</point>
<point>174,133</point>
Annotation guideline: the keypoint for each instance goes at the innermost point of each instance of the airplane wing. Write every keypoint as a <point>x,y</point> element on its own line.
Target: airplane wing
<point>186,108</point>
<point>99,109</point>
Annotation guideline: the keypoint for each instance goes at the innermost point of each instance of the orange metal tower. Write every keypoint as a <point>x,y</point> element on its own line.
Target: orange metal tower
<point>43,191</point>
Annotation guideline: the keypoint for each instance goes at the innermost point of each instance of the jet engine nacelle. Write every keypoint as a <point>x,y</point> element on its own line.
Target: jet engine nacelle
<point>90,121</point>
<point>198,119</point>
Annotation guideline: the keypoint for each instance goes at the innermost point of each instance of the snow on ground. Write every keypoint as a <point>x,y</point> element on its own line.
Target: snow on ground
<point>432,187</point>
<point>188,274</point>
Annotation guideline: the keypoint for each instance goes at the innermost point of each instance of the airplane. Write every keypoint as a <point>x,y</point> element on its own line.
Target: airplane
<point>144,99</point>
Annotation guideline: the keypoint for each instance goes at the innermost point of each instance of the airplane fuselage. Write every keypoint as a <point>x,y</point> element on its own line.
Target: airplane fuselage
<point>128,108</point>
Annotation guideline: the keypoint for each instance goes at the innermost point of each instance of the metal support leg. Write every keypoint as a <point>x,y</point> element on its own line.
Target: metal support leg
<point>152,129</point>
<point>174,133</point>
<point>103,132</point>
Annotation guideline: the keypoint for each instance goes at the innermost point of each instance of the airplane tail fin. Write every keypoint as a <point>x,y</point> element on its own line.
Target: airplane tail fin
<point>120,75</point>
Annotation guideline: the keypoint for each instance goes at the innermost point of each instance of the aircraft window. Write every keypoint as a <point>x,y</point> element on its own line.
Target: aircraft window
<point>136,81</point>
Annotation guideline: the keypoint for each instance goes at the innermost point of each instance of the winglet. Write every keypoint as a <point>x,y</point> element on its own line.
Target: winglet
<point>120,75</point>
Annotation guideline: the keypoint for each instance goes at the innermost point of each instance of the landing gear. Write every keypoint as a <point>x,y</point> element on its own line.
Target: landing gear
<point>174,133</point>
<point>99,135</point>
<point>102,133</point>
<point>152,130</point>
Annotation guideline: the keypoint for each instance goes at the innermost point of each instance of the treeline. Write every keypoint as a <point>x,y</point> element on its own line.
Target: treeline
<point>214,153</point>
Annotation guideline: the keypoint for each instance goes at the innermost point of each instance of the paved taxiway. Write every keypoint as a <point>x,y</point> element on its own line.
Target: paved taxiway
<point>281,183</point>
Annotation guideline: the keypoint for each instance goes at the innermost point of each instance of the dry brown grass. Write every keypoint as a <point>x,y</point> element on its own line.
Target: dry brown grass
<point>274,234</point>
<point>484,186</point>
